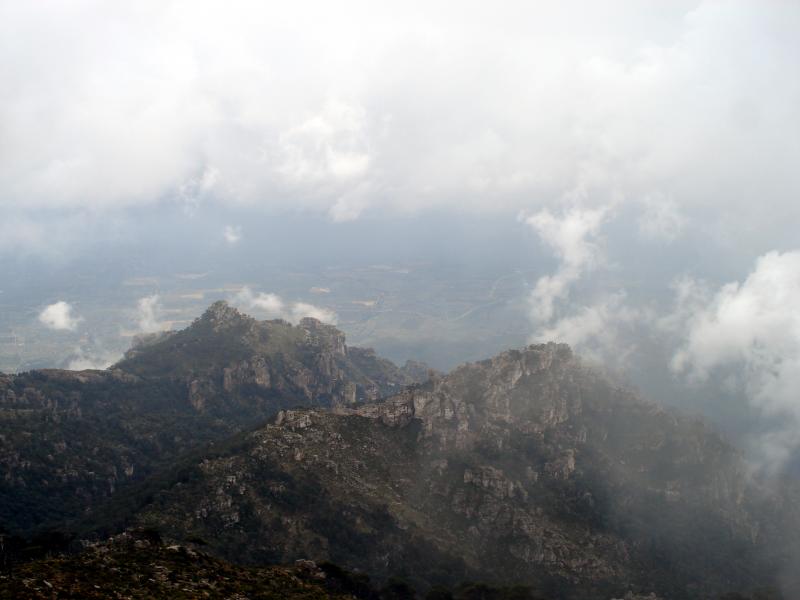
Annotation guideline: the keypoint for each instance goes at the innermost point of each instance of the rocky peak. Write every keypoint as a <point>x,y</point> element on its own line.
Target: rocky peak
<point>530,388</point>
<point>222,315</point>
<point>324,335</point>
<point>536,357</point>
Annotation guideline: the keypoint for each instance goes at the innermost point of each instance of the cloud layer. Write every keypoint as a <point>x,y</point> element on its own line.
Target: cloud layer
<point>401,107</point>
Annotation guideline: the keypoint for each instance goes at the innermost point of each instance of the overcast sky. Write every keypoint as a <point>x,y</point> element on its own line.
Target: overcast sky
<point>352,108</point>
<point>615,132</point>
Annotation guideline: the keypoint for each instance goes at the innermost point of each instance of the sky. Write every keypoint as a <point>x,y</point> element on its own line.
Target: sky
<point>649,149</point>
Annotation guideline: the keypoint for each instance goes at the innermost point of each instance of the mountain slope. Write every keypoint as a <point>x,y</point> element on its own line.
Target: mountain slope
<point>70,440</point>
<point>525,468</point>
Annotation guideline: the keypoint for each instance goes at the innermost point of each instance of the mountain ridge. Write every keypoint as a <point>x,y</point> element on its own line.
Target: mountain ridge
<point>526,468</point>
<point>268,442</point>
<point>70,439</point>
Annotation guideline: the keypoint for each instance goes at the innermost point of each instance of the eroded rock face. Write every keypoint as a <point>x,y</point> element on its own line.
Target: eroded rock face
<point>325,336</point>
<point>255,371</point>
<point>527,467</point>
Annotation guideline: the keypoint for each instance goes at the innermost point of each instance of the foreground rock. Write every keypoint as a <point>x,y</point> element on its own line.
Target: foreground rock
<point>135,567</point>
<point>139,565</point>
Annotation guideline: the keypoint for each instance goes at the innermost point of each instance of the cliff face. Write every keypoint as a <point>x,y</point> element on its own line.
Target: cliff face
<point>524,468</point>
<point>70,440</point>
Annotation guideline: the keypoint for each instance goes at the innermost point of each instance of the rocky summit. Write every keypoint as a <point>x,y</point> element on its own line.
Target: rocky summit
<point>529,469</point>
<point>226,356</point>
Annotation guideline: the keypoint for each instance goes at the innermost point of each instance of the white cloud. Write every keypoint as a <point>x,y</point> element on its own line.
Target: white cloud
<point>603,327</point>
<point>300,310</point>
<point>149,311</point>
<point>571,239</point>
<point>273,307</point>
<point>420,106</point>
<point>753,327</point>
<point>59,316</point>
<point>331,145</point>
<point>92,359</point>
<point>690,298</point>
<point>270,304</point>
<point>350,205</point>
<point>232,234</point>
<point>603,331</point>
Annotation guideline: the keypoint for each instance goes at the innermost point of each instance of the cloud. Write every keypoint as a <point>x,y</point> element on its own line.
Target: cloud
<point>232,234</point>
<point>752,329</point>
<point>149,311</point>
<point>97,358</point>
<point>328,146</point>
<point>570,237</point>
<point>691,298</point>
<point>350,205</point>
<point>604,331</point>
<point>600,325</point>
<point>301,310</point>
<point>269,304</point>
<point>737,337</point>
<point>400,107</point>
<point>273,307</point>
<point>661,219</point>
<point>59,317</point>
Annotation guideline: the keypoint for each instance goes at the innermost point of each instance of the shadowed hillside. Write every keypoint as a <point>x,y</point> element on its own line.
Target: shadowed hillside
<point>70,440</point>
<point>526,468</point>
